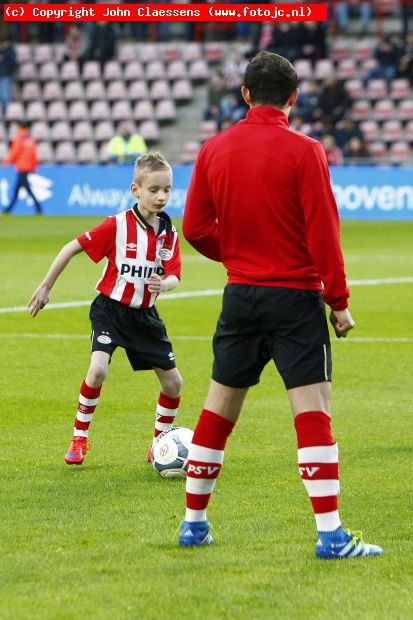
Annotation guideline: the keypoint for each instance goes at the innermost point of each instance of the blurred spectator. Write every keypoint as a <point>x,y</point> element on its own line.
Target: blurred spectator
<point>387,55</point>
<point>76,44</point>
<point>405,68</point>
<point>355,149</point>
<point>126,146</point>
<point>288,40</point>
<point>341,14</point>
<point>333,153</point>
<point>314,41</point>
<point>334,101</point>
<point>407,15</point>
<point>216,92</point>
<point>23,154</point>
<point>233,105</point>
<point>8,65</point>
<point>234,67</point>
<point>308,101</point>
<point>345,131</point>
<point>102,43</point>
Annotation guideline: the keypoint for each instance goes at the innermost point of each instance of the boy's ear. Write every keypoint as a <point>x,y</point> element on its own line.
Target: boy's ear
<point>134,188</point>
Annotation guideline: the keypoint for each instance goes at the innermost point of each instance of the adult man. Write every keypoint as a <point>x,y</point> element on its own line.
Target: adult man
<point>23,154</point>
<point>126,146</point>
<point>260,201</point>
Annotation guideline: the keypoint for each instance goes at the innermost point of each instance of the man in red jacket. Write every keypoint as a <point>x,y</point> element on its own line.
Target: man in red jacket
<point>260,201</point>
<point>23,154</point>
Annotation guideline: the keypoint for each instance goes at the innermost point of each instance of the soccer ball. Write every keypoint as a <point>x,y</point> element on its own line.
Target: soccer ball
<point>169,453</point>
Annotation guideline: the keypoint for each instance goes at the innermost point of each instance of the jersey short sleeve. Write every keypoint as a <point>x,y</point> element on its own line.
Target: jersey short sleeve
<point>173,266</point>
<point>98,242</point>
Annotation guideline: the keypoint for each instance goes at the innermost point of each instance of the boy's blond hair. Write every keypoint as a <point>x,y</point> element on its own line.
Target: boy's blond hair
<point>149,162</point>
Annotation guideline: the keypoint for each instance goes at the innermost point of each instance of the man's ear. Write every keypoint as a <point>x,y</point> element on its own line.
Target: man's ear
<point>293,98</point>
<point>246,95</point>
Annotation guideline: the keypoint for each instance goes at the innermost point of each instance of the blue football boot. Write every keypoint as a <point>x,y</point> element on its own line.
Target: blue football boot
<point>195,533</point>
<point>343,544</point>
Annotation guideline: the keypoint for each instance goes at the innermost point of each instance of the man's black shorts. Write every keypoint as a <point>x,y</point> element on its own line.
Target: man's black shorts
<point>140,332</point>
<point>259,323</point>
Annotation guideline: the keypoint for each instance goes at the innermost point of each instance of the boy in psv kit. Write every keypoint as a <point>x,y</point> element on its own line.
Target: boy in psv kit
<point>142,260</point>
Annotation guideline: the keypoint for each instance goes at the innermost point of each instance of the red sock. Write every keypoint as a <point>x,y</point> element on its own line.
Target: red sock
<point>318,466</point>
<point>205,458</point>
<point>88,400</point>
<point>166,410</point>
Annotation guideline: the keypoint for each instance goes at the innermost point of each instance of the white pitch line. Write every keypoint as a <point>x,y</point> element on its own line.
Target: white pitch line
<point>206,293</point>
<point>173,338</point>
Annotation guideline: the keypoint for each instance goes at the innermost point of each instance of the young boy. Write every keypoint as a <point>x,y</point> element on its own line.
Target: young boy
<point>142,260</point>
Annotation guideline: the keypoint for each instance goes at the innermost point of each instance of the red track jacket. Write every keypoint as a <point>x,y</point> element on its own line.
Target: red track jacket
<point>260,201</point>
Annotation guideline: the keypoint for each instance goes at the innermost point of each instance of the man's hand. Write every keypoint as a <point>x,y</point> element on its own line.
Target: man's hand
<point>39,299</point>
<point>342,322</point>
<point>155,284</point>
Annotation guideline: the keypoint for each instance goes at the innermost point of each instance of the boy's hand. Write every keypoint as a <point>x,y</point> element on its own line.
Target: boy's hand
<point>39,299</point>
<point>342,322</point>
<point>155,284</point>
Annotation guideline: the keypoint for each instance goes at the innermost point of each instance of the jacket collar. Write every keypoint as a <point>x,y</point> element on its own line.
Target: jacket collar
<point>264,114</point>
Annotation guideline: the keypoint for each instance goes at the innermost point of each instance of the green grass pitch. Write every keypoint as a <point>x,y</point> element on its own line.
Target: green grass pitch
<point>97,541</point>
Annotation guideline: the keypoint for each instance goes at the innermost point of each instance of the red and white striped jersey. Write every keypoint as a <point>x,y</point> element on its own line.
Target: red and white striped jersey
<point>133,252</point>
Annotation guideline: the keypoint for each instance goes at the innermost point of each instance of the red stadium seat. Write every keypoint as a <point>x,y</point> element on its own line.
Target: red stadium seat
<point>65,153</point>
<point>138,90</point>
<point>339,50</point>
<point>182,91</point>
<point>367,65</point>
<point>376,89</point>
<point>214,51</point>
<point>171,52</point>
<point>400,89</point>
<point>143,110</point>
<point>361,110</point>
<point>408,131</point>
<point>364,50</point>
<point>52,91</point>
<point>73,91</point>
<point>377,150</point>
<point>392,131</point>
<point>370,131</point>
<point>384,110</point>
<point>405,110</point>
<point>324,67</point>
<point>165,111</point>
<point>190,151</point>
<point>57,111</point>
<point>159,90</point>
<point>400,152</point>
<point>117,90</point>
<point>347,68</point>
<point>95,90</point>
<point>207,129</point>
<point>82,130</point>
<point>304,69</point>
<point>354,88</point>
<point>149,131</point>
<point>35,111</point>
<point>60,132</point>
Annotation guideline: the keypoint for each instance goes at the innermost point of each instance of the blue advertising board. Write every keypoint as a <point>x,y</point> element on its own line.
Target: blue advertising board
<point>379,193</point>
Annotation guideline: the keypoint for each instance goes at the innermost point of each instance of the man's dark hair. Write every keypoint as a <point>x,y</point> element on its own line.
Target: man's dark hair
<point>271,79</point>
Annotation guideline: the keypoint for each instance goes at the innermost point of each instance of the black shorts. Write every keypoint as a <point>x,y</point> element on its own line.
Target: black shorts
<point>140,332</point>
<point>259,323</point>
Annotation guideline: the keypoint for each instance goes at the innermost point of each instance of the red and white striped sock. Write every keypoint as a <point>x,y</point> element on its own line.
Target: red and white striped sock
<point>88,399</point>
<point>205,458</point>
<point>166,410</point>
<point>318,465</point>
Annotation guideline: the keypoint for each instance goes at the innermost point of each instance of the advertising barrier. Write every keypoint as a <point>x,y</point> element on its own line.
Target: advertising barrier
<point>361,192</point>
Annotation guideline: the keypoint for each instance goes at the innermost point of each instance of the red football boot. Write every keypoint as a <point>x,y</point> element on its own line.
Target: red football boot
<point>77,450</point>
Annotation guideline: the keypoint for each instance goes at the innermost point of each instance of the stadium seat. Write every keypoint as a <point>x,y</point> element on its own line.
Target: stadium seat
<point>65,153</point>
<point>133,71</point>
<point>191,52</point>
<point>155,70</point>
<point>11,130</point>
<point>3,133</point>
<point>190,151</point>
<point>127,52</point>
<point>354,88</point>
<point>399,152</point>
<point>138,90</point>
<point>73,91</point>
<point>148,52</point>
<point>45,152</point>
<point>304,69</point>
<point>3,150</point>
<point>376,89</point>
<point>400,89</point>
<point>116,90</point>
<point>35,111</point>
<point>392,131</point>
<point>370,131</point>
<point>78,110</point>
<point>377,150</point>
<point>52,91</point>
<point>207,129</point>
<point>165,111</point>
<point>23,53</point>
<point>171,52</point>
<point>91,71</point>
<point>367,65</point>
<point>82,130</point>
<point>364,49</point>
<point>69,71</point>
<point>100,111</point>
<point>408,131</point>
<point>361,110</point>
<point>198,71</point>
<point>30,91</point>
<point>60,131</point>
<point>57,111</point>
<point>48,71</point>
<point>121,111</point>
<point>103,153</point>
<point>182,91</point>
<point>405,110</point>
<point>347,68</point>
<point>43,53</point>
<point>95,90</point>
<point>143,110</point>
<point>214,51</point>
<point>339,50</point>
<point>40,131</point>
<point>177,70</point>
<point>87,153</point>
<point>384,110</point>
<point>104,131</point>
<point>149,131</point>
<point>28,71</point>
<point>159,90</point>
<point>323,68</point>
<point>112,71</point>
